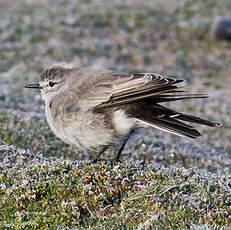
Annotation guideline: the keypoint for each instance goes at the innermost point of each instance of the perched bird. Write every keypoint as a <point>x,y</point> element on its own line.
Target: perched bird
<point>94,109</point>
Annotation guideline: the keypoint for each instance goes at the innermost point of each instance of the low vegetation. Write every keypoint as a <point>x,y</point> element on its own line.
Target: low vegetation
<point>163,181</point>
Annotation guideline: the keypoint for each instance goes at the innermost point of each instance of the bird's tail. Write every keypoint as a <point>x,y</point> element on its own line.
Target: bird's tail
<point>170,121</point>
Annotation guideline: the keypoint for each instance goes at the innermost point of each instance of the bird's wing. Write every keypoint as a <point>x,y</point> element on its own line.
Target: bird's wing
<point>138,87</point>
<point>109,89</point>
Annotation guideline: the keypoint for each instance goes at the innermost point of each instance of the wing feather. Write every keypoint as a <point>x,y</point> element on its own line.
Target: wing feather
<point>139,87</point>
<point>108,89</point>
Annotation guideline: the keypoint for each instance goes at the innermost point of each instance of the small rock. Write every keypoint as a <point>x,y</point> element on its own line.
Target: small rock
<point>221,28</point>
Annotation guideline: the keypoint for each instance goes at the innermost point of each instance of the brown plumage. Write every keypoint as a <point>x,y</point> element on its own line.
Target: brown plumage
<point>95,108</point>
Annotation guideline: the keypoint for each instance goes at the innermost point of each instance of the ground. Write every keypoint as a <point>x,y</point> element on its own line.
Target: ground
<point>163,181</point>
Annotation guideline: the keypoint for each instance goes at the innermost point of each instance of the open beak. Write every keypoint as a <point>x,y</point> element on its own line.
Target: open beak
<point>33,86</point>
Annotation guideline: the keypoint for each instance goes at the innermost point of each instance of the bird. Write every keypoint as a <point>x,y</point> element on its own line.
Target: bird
<point>99,109</point>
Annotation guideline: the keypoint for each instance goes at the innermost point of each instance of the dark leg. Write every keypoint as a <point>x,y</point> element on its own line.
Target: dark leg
<point>123,145</point>
<point>99,154</point>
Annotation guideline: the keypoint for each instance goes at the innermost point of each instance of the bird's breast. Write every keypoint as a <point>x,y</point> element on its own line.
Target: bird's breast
<point>82,129</point>
<point>51,121</point>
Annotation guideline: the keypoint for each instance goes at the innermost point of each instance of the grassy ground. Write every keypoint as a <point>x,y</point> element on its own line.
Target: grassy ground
<point>164,182</point>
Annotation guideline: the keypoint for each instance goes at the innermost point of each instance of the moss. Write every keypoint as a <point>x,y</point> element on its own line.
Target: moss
<point>64,193</point>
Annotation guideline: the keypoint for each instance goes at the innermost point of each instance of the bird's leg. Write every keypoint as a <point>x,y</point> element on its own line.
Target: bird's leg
<point>122,146</point>
<point>100,153</point>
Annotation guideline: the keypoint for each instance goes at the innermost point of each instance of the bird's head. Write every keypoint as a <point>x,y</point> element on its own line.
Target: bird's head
<point>52,80</point>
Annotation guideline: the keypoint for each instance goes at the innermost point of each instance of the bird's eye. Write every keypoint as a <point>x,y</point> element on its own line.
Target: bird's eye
<point>51,84</point>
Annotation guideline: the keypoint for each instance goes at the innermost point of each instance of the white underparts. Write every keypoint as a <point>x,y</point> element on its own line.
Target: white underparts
<point>121,123</point>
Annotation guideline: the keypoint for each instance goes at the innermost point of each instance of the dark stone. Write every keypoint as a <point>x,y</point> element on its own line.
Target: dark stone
<point>221,29</point>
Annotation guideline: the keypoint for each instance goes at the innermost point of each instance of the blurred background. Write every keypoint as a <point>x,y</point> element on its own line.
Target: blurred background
<point>176,38</point>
